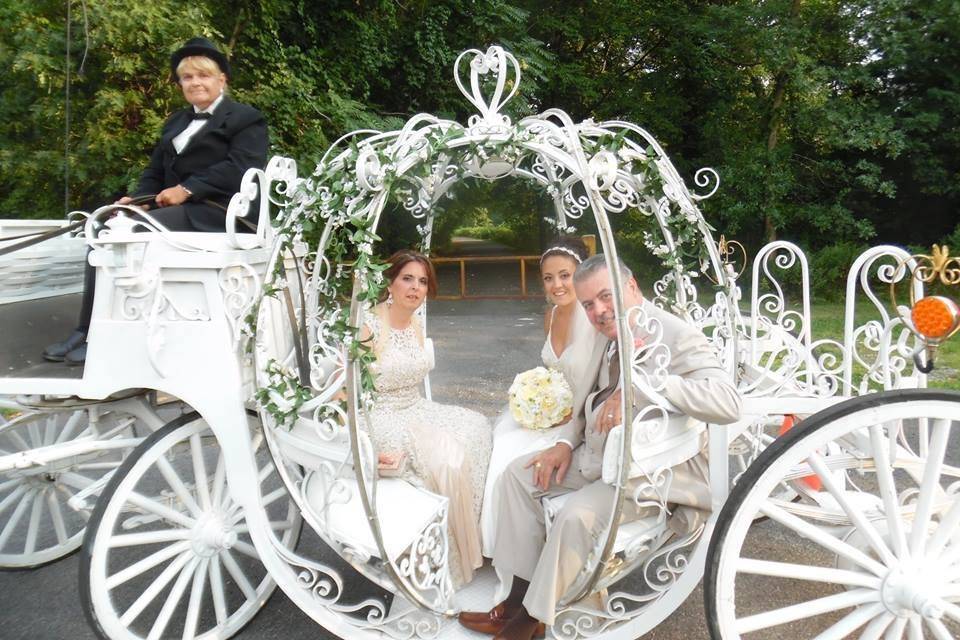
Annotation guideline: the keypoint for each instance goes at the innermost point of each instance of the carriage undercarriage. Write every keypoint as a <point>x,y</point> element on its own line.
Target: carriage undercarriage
<point>190,510</point>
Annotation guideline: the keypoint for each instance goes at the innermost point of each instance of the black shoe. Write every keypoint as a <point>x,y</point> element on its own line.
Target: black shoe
<point>76,357</point>
<point>57,351</point>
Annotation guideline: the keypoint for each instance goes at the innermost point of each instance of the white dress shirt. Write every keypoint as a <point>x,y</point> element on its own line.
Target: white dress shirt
<point>181,139</point>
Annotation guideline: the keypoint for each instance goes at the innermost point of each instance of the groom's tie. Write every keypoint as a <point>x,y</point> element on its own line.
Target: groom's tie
<point>614,378</point>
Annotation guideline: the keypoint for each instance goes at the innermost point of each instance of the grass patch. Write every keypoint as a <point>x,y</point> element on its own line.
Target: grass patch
<point>827,322</point>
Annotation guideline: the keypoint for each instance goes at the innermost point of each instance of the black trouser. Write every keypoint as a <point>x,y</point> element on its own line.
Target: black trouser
<point>173,218</point>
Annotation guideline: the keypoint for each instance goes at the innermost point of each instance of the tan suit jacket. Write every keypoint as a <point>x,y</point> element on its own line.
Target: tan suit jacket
<point>696,384</point>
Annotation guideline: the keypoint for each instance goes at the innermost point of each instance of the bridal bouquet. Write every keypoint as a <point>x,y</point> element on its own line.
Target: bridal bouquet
<point>540,398</point>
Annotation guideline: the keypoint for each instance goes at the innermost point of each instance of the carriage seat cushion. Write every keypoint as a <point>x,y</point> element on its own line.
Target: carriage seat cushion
<point>404,512</point>
<point>647,527</point>
<point>680,441</point>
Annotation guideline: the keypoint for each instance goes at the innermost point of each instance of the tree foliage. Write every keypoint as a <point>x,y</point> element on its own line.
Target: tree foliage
<point>828,120</point>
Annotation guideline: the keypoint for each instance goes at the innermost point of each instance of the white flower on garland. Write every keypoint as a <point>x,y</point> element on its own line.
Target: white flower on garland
<point>540,398</point>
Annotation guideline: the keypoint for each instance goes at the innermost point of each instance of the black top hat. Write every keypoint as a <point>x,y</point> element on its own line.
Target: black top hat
<point>198,47</point>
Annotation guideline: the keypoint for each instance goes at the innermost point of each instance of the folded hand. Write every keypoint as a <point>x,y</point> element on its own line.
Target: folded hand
<point>555,459</point>
<point>609,414</point>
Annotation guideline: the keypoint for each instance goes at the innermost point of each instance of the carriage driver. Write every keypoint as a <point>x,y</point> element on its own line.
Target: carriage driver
<point>195,168</point>
<point>545,566</point>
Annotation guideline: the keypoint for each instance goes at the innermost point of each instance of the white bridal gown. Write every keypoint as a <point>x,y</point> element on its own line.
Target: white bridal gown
<point>447,447</point>
<point>511,441</point>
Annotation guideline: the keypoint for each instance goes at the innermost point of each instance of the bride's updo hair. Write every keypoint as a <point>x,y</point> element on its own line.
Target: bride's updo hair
<point>402,258</point>
<point>567,247</point>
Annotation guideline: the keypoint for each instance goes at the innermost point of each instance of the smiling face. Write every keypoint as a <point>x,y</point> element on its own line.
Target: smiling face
<point>596,295</point>
<point>557,274</point>
<point>410,286</point>
<point>201,81</point>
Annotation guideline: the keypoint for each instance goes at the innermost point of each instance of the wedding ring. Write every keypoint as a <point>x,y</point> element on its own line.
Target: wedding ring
<point>609,415</point>
<point>537,465</point>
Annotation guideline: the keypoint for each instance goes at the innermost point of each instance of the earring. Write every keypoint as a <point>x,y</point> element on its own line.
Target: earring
<point>389,298</point>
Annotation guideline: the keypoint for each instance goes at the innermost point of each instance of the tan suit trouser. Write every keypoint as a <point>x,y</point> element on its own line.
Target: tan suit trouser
<point>552,563</point>
<point>522,547</point>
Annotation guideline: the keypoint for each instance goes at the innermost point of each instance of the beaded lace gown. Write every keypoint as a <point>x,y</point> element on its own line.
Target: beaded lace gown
<point>447,447</point>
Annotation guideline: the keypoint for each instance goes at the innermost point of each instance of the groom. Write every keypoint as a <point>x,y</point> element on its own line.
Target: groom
<point>544,567</point>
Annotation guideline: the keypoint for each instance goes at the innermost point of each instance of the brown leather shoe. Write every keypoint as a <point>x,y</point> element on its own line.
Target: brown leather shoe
<point>522,627</point>
<point>493,621</point>
<point>489,622</point>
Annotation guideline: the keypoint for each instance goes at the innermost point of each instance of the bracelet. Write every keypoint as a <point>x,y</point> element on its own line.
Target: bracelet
<point>189,193</point>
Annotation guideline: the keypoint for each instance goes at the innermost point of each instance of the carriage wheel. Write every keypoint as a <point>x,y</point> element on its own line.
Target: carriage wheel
<point>168,552</point>
<point>874,552</point>
<point>37,526</point>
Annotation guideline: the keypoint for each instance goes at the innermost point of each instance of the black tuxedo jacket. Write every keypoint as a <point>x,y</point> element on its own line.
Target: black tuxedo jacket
<point>212,164</point>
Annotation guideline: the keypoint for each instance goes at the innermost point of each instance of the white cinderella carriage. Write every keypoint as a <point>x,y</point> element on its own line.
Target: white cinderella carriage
<point>846,524</point>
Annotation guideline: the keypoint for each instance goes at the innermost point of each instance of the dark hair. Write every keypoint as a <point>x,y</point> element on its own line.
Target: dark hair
<point>402,258</point>
<point>566,247</point>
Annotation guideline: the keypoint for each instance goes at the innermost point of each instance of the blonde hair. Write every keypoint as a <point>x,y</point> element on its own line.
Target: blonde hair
<point>198,63</point>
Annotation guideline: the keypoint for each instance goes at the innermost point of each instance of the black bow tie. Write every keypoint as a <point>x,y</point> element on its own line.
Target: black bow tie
<point>201,115</point>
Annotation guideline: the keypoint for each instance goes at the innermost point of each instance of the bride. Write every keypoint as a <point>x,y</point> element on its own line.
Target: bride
<point>440,447</point>
<point>571,346</point>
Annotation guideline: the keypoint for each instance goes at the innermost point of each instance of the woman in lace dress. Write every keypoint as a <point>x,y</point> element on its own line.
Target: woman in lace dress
<point>569,347</point>
<point>445,448</point>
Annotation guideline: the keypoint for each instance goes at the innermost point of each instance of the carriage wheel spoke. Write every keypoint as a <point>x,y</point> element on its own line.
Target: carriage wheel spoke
<point>238,575</point>
<point>807,609</point>
<point>851,622</point>
<point>13,497</point>
<point>173,598</point>
<point>876,628</point>
<point>154,559</point>
<point>951,610</point>
<point>15,518</point>
<point>246,549</point>
<point>815,534</point>
<point>200,478</point>
<point>149,537</point>
<point>930,485</point>
<point>162,510</point>
<point>67,432</point>
<point>895,630</point>
<point>945,530</point>
<point>196,600</point>
<point>36,440</point>
<point>56,514</point>
<point>940,630</point>
<point>219,481</point>
<point>915,629</point>
<point>151,592</point>
<point>30,542</point>
<point>19,442</point>
<point>807,572</point>
<point>856,516</point>
<point>888,490</point>
<point>175,483</point>
<point>275,525</point>
<point>216,590</point>
<point>75,480</point>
